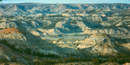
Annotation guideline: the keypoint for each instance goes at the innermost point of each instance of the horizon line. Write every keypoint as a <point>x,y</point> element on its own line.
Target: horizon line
<point>59,3</point>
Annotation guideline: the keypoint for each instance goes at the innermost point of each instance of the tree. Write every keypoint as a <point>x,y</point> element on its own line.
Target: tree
<point>96,61</point>
<point>47,62</point>
<point>3,60</point>
<point>13,58</point>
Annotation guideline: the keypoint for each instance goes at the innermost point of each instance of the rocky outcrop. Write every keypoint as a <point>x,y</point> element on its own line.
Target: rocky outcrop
<point>100,44</point>
<point>107,31</point>
<point>69,27</point>
<point>22,40</point>
<point>120,24</point>
<point>22,9</point>
<point>64,30</point>
<point>8,25</point>
<point>47,31</point>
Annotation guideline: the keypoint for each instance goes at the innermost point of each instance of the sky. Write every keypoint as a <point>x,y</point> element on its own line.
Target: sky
<point>66,1</point>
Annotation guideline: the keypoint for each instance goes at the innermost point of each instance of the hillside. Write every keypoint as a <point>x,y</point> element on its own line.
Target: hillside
<point>34,31</point>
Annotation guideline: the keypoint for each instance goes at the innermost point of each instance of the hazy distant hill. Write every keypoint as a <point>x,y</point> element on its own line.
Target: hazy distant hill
<point>7,9</point>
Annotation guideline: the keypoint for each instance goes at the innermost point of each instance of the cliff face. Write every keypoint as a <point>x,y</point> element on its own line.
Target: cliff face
<point>23,40</point>
<point>8,25</point>
<point>107,31</point>
<point>100,44</point>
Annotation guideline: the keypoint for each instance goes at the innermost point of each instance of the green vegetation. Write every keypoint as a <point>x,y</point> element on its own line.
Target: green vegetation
<point>3,60</point>
<point>121,59</point>
<point>13,58</point>
<point>1,28</point>
<point>45,62</point>
<point>9,45</point>
<point>67,60</point>
<point>28,51</point>
<point>96,61</point>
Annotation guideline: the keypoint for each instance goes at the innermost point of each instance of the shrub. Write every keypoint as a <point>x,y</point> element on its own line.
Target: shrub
<point>13,59</point>
<point>3,60</point>
<point>47,62</point>
<point>96,61</point>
